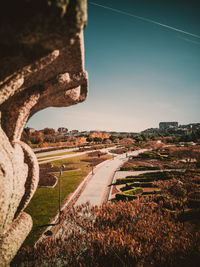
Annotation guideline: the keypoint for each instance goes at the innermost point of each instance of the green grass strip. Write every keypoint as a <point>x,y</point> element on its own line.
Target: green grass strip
<point>58,154</point>
<point>44,204</point>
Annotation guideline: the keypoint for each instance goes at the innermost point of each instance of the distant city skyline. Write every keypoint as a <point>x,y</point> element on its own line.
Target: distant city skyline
<point>162,125</point>
<point>143,60</point>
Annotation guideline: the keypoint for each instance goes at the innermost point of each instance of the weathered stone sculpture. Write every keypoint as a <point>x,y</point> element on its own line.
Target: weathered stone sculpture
<point>41,65</point>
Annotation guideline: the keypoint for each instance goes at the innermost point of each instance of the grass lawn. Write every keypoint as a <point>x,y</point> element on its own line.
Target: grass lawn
<point>44,204</point>
<point>57,154</point>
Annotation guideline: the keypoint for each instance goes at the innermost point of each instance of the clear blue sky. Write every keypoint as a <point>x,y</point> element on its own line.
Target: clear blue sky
<point>141,71</point>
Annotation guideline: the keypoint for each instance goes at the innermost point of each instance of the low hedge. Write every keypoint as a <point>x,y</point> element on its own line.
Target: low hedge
<point>120,196</point>
<point>139,168</point>
<point>189,214</point>
<point>157,174</point>
<point>152,155</point>
<point>139,184</point>
<point>129,194</point>
<point>196,181</point>
<point>195,195</point>
<point>139,179</point>
<point>124,196</point>
<point>134,192</point>
<point>196,172</point>
<point>132,180</point>
<point>47,180</point>
<point>194,203</point>
<point>194,200</point>
<point>152,192</point>
<point>186,215</point>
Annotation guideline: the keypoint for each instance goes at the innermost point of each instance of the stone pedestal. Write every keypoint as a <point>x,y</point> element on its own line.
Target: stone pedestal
<point>42,65</point>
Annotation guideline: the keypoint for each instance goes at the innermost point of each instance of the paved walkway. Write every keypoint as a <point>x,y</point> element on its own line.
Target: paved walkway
<point>97,188</point>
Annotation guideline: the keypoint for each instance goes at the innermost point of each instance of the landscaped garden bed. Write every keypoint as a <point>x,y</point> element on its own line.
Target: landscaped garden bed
<point>177,191</point>
<point>94,161</point>
<point>139,184</point>
<point>97,153</point>
<point>137,164</point>
<point>48,177</point>
<point>119,150</point>
<point>154,154</point>
<point>44,204</point>
<point>47,180</point>
<point>148,177</point>
<point>194,199</point>
<point>139,168</point>
<point>136,192</point>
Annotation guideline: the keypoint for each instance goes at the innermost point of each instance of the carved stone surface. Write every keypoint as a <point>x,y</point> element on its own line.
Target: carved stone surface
<point>41,65</point>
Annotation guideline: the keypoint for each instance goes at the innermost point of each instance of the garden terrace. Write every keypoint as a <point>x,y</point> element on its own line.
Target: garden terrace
<point>96,154</point>
<point>139,168</point>
<point>135,192</point>
<point>47,180</point>
<point>119,150</point>
<point>181,193</point>
<point>151,164</point>
<point>145,182</point>
<point>139,184</point>
<point>48,174</point>
<point>161,155</point>
<point>192,215</point>
<point>83,149</point>
<point>148,177</point>
<point>158,174</point>
<point>194,199</point>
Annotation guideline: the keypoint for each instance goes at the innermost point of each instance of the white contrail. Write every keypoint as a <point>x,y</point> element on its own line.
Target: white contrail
<point>188,40</point>
<point>145,19</point>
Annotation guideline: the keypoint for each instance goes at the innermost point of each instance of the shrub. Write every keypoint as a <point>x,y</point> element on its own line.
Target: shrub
<point>131,179</point>
<point>47,176</point>
<point>135,233</point>
<point>47,180</point>
<point>139,184</point>
<point>119,150</point>
<point>152,155</point>
<point>134,193</point>
<point>194,199</point>
<point>189,214</point>
<point>96,154</point>
<point>152,192</point>
<point>129,194</point>
<point>139,168</point>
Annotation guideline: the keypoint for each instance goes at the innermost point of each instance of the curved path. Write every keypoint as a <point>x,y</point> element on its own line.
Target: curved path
<point>96,190</point>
